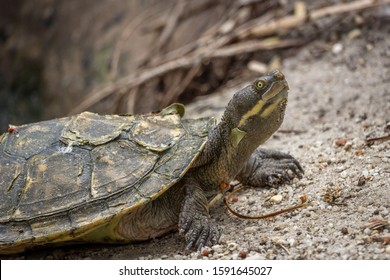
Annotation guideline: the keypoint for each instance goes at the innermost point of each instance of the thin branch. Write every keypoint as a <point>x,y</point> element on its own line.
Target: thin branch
<point>256,45</point>
<point>295,21</point>
<point>171,24</point>
<point>205,48</point>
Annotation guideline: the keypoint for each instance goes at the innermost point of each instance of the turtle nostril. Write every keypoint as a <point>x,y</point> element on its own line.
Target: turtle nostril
<point>278,75</point>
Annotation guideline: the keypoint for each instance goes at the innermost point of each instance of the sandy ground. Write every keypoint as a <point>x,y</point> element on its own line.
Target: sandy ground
<point>339,97</point>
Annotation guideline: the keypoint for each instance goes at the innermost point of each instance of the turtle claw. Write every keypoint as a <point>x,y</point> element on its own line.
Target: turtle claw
<point>271,179</point>
<point>194,220</point>
<point>200,233</point>
<point>270,168</point>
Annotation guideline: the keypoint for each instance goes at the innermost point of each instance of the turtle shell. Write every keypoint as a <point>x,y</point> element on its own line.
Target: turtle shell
<point>63,178</point>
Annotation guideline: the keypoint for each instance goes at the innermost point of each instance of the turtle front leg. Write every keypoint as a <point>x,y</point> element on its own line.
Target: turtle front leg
<point>269,168</point>
<point>194,218</point>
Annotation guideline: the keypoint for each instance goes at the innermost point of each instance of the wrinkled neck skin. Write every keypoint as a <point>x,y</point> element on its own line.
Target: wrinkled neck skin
<point>221,161</point>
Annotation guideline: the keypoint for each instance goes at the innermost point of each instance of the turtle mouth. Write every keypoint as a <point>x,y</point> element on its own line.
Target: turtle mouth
<point>277,91</point>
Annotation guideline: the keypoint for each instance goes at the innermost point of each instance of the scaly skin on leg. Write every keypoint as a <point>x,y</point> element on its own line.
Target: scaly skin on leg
<point>269,168</point>
<point>194,219</point>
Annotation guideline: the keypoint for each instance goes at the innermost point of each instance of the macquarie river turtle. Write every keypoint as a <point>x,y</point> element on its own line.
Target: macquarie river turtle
<point>126,178</point>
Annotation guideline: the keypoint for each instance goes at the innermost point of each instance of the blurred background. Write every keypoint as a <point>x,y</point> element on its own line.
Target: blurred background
<point>133,56</point>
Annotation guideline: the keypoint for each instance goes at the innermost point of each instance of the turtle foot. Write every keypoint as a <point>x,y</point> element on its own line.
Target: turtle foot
<point>270,168</point>
<point>194,220</point>
<point>199,232</point>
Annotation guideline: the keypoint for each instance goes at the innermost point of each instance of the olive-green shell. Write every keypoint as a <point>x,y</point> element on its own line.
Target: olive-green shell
<point>63,178</point>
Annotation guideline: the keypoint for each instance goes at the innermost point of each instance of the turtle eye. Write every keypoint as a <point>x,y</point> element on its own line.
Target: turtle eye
<point>260,84</point>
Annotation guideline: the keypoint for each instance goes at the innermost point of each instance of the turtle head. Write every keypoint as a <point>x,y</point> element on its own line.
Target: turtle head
<point>256,111</point>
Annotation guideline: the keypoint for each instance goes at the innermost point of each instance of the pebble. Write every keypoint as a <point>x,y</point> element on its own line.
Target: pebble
<point>353,34</point>
<point>232,246</point>
<point>325,240</point>
<point>344,174</point>
<point>251,201</point>
<point>242,254</point>
<point>340,142</point>
<point>340,169</point>
<point>250,230</point>
<point>337,48</point>
<point>387,250</point>
<point>263,240</point>
<point>367,231</point>
<point>344,230</point>
<point>205,252</point>
<point>292,242</point>
<point>276,198</point>
<point>217,248</point>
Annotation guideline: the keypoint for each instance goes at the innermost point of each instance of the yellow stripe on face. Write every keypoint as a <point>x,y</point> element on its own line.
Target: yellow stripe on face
<point>270,109</point>
<point>254,111</point>
<point>257,109</point>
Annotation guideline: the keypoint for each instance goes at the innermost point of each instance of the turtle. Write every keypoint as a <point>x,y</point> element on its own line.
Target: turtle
<point>131,178</point>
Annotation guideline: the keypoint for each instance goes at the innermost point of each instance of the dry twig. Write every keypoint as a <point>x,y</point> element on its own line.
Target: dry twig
<point>208,47</point>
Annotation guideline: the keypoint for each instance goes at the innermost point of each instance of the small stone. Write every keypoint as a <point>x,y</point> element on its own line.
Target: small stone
<point>263,240</point>
<point>340,142</point>
<point>277,228</point>
<point>348,146</point>
<point>251,201</point>
<point>367,231</point>
<point>250,230</point>
<point>232,246</point>
<point>292,242</point>
<point>242,254</point>
<point>276,198</point>
<point>337,48</point>
<point>387,250</point>
<point>344,174</point>
<point>217,248</point>
<point>344,230</point>
<point>361,181</point>
<point>205,252</point>
<point>359,153</point>
<point>353,34</point>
